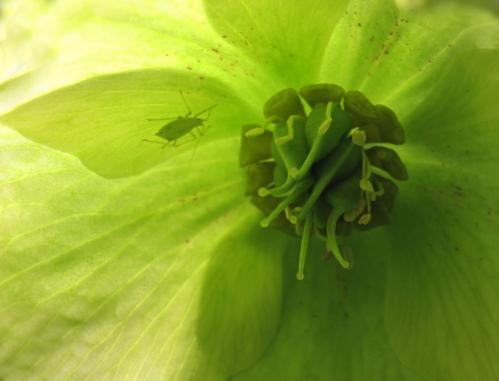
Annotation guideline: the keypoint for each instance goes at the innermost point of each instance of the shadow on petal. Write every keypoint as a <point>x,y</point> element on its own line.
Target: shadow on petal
<point>241,298</point>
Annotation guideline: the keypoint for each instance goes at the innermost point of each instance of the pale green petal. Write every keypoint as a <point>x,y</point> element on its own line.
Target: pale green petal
<point>333,323</point>
<point>288,37</point>
<point>442,308</point>
<point>19,53</point>
<point>440,318</point>
<point>114,65</point>
<point>103,120</point>
<point>166,275</point>
<point>102,279</point>
<point>394,57</point>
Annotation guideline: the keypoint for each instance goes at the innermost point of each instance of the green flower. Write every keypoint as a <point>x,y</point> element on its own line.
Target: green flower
<point>120,260</point>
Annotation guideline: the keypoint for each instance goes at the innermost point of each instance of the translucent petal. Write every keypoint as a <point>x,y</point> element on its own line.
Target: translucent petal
<point>442,311</point>
<point>137,278</point>
<point>132,60</point>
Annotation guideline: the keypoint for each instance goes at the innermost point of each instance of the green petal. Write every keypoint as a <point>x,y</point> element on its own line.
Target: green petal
<point>132,60</point>
<point>124,279</point>
<point>20,53</point>
<point>287,38</point>
<point>442,311</point>
<point>104,122</point>
<point>240,306</point>
<point>394,57</point>
<point>333,323</point>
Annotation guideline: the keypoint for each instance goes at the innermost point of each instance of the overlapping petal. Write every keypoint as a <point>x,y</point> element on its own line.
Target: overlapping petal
<point>106,279</point>
<point>442,288</point>
<point>116,64</point>
<point>166,275</point>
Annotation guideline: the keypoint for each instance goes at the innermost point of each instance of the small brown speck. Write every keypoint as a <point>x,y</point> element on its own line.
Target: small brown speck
<point>327,255</point>
<point>215,50</point>
<point>189,68</point>
<point>201,78</point>
<point>359,24</point>
<point>458,191</point>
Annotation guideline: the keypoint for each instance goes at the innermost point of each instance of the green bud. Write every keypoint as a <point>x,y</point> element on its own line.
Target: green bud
<point>361,109</point>
<point>258,175</point>
<point>254,148</point>
<point>389,127</point>
<point>321,93</point>
<point>388,160</point>
<point>282,105</point>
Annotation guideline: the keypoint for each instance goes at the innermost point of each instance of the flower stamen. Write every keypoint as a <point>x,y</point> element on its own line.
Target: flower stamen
<point>320,173</point>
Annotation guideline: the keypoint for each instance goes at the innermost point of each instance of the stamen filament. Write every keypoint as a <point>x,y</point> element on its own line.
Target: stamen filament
<point>257,131</point>
<point>316,145</point>
<point>322,183</point>
<point>301,188</point>
<point>331,242</point>
<point>322,168</point>
<point>305,239</point>
<point>382,173</point>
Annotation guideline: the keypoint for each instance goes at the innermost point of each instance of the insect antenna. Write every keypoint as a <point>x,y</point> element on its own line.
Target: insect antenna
<point>205,110</point>
<point>156,119</point>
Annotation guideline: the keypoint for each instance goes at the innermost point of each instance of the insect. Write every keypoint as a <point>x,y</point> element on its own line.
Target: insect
<point>181,126</point>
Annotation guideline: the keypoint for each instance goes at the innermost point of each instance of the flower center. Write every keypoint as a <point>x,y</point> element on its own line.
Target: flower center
<point>321,167</point>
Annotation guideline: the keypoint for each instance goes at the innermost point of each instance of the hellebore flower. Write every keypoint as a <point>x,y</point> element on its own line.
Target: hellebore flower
<point>120,260</point>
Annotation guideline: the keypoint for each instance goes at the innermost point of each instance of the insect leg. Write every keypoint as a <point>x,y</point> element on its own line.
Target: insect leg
<point>186,104</point>
<point>155,119</point>
<point>199,130</point>
<point>195,149</point>
<point>204,128</point>
<point>155,141</point>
